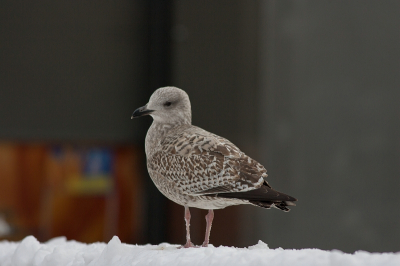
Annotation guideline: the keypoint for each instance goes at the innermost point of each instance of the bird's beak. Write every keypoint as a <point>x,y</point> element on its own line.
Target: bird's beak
<point>141,111</point>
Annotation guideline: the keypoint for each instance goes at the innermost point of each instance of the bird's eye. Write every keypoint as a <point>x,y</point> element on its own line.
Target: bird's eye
<point>167,104</point>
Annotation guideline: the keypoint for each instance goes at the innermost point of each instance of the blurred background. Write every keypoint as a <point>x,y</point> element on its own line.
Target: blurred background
<point>310,89</point>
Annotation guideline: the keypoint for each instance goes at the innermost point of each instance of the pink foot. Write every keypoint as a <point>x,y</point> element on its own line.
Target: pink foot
<point>188,245</point>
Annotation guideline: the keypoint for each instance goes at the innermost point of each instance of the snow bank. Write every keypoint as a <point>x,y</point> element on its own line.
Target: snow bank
<point>60,252</point>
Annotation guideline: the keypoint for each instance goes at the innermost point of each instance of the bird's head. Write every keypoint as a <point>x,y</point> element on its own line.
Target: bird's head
<point>167,105</point>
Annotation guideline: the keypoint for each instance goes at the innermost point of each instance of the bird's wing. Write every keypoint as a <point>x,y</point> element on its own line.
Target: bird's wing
<point>201,163</point>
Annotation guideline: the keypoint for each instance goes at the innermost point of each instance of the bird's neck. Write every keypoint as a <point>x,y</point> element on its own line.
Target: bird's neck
<point>155,134</point>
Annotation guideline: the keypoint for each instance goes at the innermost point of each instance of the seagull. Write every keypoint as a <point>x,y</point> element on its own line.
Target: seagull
<point>196,168</point>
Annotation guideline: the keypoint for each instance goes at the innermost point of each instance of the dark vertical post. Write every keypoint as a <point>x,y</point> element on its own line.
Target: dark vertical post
<point>159,75</point>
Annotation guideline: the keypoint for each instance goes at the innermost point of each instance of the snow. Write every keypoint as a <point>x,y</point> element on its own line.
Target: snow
<point>59,251</point>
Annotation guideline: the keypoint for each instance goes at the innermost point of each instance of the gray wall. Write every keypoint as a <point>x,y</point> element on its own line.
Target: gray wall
<point>72,70</point>
<point>331,79</point>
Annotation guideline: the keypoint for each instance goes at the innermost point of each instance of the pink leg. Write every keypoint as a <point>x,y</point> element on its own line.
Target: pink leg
<point>209,219</point>
<point>187,220</point>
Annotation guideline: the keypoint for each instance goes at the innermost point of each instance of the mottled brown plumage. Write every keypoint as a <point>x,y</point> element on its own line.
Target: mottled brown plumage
<point>196,168</point>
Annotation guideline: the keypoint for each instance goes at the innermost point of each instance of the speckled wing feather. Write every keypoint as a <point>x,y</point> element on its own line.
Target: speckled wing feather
<point>200,163</point>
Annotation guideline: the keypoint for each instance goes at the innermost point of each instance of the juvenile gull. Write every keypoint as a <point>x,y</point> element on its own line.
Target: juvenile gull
<point>196,168</point>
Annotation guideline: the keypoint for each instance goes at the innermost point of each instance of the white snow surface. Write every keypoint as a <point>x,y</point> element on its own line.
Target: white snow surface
<point>59,251</point>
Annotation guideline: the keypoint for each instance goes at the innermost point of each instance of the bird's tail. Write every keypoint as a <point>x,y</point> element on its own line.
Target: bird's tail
<point>264,197</point>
